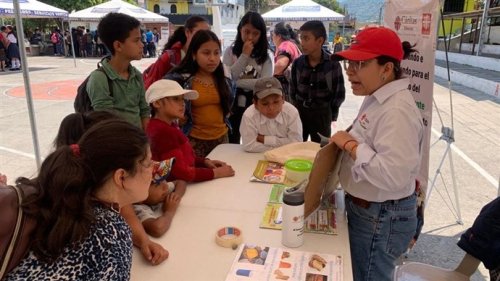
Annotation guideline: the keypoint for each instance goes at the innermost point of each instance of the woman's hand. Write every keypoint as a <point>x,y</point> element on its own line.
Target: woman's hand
<point>340,138</point>
<point>3,179</point>
<point>154,252</point>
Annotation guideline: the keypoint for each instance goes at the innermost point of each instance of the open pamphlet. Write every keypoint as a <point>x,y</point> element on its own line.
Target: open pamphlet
<point>269,172</point>
<point>254,262</point>
<point>322,220</point>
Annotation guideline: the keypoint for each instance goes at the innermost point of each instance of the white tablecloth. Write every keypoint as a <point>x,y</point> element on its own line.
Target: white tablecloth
<point>210,205</point>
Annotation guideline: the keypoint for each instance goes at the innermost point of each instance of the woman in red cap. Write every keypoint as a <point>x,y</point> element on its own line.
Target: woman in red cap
<point>382,155</point>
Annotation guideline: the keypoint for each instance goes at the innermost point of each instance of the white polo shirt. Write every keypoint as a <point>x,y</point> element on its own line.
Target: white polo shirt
<point>284,129</point>
<point>389,130</point>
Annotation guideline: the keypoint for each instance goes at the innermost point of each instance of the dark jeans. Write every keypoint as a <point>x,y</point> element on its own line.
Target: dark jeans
<point>242,101</point>
<point>315,120</point>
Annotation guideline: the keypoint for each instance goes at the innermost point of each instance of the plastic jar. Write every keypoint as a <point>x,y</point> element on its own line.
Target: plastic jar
<point>298,170</point>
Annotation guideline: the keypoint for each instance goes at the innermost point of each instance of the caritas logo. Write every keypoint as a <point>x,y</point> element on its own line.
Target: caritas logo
<point>397,23</point>
<point>426,23</point>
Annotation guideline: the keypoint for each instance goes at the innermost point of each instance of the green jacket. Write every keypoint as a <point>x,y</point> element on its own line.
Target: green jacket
<point>128,100</point>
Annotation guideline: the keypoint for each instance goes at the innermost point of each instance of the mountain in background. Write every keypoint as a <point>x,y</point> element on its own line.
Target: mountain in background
<point>365,11</point>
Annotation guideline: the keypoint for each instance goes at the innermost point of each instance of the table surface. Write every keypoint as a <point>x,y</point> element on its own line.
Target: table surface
<point>234,201</point>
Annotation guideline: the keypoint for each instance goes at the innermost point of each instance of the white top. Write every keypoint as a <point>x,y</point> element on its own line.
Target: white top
<point>284,129</point>
<point>245,71</point>
<point>12,38</point>
<point>389,130</point>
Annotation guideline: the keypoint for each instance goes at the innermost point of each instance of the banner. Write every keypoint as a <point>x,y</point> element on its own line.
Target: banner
<point>416,22</point>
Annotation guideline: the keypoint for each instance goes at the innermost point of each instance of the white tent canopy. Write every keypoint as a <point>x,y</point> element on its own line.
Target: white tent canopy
<point>302,10</point>
<point>95,13</point>
<point>31,9</point>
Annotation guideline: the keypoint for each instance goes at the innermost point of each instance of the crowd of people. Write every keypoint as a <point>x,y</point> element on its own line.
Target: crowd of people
<point>136,154</point>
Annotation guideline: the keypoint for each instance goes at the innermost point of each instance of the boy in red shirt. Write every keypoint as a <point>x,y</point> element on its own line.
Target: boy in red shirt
<point>166,98</point>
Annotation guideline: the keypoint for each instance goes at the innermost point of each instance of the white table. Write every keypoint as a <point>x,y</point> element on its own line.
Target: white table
<point>233,201</point>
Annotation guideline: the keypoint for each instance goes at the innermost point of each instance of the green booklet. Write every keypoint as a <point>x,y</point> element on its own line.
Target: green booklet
<point>320,221</point>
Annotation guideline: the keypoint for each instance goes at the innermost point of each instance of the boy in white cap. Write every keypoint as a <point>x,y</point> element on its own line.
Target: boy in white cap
<point>166,98</point>
<point>271,121</point>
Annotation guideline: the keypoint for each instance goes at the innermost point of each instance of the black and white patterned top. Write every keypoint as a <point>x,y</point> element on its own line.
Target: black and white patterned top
<point>106,254</point>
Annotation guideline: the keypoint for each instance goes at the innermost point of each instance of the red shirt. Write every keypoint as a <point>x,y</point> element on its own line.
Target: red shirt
<point>168,141</point>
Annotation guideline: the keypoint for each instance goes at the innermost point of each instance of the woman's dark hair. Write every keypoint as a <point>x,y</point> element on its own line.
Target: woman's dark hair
<point>116,27</point>
<point>398,72</point>
<point>68,181</point>
<point>75,124</point>
<point>179,35</point>
<point>260,49</point>
<point>190,66</point>
<point>285,31</point>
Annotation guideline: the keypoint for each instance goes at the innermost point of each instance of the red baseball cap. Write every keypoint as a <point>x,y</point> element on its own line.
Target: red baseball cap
<point>373,42</point>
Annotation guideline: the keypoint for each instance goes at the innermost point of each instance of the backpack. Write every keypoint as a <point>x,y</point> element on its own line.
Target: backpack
<point>82,102</point>
<point>16,227</point>
<point>54,38</point>
<point>160,67</point>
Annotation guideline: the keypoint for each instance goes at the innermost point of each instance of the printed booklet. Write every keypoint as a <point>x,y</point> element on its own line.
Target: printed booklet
<point>254,262</point>
<point>320,221</point>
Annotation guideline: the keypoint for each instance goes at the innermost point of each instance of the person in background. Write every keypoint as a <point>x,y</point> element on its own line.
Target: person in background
<point>13,49</point>
<point>382,154</point>
<point>166,98</point>
<point>248,59</point>
<point>206,118</point>
<point>121,35</point>
<point>71,129</point>
<point>338,43</point>
<point>317,84</point>
<point>287,50</point>
<point>270,122</point>
<point>80,234</point>
<point>174,50</point>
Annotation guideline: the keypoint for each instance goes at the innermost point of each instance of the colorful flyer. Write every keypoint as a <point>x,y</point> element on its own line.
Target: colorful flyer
<point>255,262</point>
<point>320,221</point>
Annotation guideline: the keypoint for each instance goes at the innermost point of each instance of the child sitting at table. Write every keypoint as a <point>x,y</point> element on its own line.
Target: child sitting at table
<point>166,98</point>
<point>157,211</point>
<point>271,121</point>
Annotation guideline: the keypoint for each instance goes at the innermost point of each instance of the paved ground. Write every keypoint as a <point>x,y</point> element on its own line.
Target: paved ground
<point>476,152</point>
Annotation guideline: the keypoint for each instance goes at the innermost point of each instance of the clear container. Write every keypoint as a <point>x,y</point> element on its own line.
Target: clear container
<point>298,170</point>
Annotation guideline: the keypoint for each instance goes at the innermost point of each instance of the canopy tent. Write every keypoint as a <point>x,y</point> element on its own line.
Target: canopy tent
<point>95,13</point>
<point>31,9</point>
<point>302,10</point>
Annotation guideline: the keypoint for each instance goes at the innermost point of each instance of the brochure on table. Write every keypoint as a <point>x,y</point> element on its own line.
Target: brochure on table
<point>321,220</point>
<point>259,262</point>
<point>270,172</point>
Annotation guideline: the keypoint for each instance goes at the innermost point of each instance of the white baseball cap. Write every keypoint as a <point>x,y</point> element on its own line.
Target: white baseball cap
<point>168,88</point>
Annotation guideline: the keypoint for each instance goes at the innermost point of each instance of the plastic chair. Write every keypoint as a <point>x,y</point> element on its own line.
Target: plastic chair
<point>415,271</point>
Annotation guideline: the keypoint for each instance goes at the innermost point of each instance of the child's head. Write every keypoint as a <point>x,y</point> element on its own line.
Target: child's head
<point>268,97</point>
<point>252,28</point>
<point>121,34</point>
<point>192,25</point>
<point>74,125</point>
<point>110,162</point>
<point>166,99</point>
<point>312,36</point>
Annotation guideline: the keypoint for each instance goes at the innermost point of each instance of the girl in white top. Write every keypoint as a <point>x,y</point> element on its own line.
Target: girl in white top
<point>248,59</point>
<point>382,154</point>
<point>13,49</point>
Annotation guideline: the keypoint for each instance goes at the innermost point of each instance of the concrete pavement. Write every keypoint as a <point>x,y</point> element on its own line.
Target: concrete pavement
<point>476,151</point>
